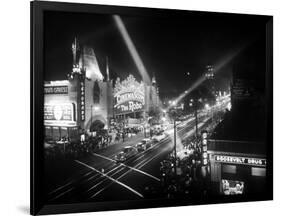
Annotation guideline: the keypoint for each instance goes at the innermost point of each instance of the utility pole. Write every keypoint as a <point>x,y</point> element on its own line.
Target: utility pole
<point>175,145</point>
<point>196,120</point>
<point>91,119</point>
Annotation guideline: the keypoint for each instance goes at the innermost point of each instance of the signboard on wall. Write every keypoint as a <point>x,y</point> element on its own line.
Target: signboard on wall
<point>56,90</point>
<point>129,96</point>
<point>240,160</point>
<point>82,100</point>
<point>59,114</point>
<point>129,106</point>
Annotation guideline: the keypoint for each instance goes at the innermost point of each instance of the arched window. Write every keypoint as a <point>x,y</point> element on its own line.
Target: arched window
<point>96,93</point>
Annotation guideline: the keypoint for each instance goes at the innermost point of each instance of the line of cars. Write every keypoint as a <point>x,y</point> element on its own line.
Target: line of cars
<point>145,144</point>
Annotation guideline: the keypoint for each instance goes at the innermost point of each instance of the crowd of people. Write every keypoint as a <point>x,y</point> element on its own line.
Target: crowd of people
<point>182,176</point>
<point>67,148</point>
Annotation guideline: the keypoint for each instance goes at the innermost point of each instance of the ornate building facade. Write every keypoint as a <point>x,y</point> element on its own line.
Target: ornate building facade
<point>133,100</point>
<point>75,105</point>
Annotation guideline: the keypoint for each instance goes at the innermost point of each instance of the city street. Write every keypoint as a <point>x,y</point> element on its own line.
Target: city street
<point>98,177</point>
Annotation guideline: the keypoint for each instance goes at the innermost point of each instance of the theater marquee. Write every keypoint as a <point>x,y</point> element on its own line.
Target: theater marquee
<point>59,114</point>
<point>240,160</point>
<point>56,90</point>
<point>129,96</point>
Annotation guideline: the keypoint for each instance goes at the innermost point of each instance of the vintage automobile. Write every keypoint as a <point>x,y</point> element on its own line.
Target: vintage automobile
<point>126,153</point>
<point>158,137</point>
<point>144,144</point>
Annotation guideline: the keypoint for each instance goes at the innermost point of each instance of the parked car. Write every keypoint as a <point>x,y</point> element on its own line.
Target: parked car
<point>126,153</point>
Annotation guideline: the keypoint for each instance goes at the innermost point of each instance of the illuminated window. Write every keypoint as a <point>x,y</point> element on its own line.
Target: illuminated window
<point>229,169</point>
<point>256,171</point>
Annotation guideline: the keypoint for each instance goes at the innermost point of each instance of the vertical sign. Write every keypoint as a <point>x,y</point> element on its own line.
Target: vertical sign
<point>204,148</point>
<point>82,100</point>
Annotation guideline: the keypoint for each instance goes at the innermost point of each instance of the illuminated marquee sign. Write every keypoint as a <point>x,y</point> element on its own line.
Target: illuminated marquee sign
<point>240,160</point>
<point>58,114</point>
<point>129,96</point>
<point>204,147</point>
<point>82,100</point>
<point>56,89</point>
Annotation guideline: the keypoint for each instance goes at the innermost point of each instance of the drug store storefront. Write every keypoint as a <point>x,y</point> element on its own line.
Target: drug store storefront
<point>237,167</point>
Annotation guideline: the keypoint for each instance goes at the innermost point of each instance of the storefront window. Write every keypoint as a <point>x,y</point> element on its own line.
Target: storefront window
<point>56,133</point>
<point>48,133</point>
<point>64,133</point>
<point>73,133</point>
<point>229,169</point>
<point>257,171</point>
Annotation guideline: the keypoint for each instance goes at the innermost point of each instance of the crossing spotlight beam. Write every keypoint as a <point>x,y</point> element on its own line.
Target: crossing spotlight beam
<point>224,61</point>
<point>132,49</point>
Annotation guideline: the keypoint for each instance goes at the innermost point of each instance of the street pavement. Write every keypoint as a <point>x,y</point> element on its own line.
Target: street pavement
<point>98,177</point>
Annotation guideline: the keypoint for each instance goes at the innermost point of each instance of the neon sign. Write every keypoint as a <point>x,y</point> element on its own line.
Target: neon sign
<point>129,95</point>
<point>82,100</point>
<point>240,160</point>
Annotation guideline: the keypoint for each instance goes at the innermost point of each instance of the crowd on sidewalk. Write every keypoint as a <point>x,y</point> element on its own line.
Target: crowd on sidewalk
<point>76,148</point>
<point>182,177</point>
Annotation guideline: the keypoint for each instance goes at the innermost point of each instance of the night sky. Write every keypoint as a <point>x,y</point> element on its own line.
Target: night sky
<point>169,46</point>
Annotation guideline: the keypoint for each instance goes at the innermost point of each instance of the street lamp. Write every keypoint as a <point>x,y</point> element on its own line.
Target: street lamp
<point>174,117</point>
<point>175,145</point>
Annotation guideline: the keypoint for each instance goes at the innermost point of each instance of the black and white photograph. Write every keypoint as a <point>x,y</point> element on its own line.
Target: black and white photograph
<point>140,107</point>
<point>158,108</point>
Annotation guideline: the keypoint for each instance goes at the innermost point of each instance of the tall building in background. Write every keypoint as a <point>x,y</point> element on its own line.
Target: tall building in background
<point>154,101</point>
<point>210,79</point>
<point>80,103</point>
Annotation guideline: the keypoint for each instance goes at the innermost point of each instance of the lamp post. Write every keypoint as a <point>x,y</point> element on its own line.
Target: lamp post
<point>173,115</point>
<point>193,103</point>
<point>175,145</point>
<point>196,121</point>
<point>91,119</point>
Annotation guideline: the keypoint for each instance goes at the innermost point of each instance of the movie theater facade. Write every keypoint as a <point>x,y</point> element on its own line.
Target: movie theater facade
<point>86,101</point>
<point>133,100</point>
<point>75,105</point>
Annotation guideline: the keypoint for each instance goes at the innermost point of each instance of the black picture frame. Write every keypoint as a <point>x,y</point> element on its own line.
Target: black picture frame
<point>37,205</point>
